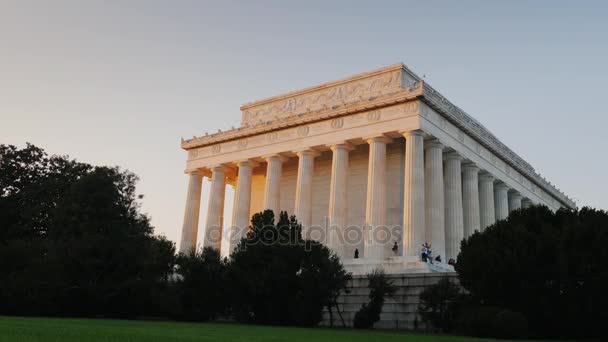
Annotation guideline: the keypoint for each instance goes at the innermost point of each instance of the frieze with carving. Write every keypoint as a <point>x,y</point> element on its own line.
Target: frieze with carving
<point>344,93</point>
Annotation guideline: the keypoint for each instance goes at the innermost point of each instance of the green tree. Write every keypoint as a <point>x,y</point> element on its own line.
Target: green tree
<point>549,266</point>
<point>380,288</point>
<point>440,303</point>
<point>201,284</point>
<point>74,241</point>
<point>279,278</point>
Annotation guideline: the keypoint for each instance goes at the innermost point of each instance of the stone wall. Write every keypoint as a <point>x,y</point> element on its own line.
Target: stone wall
<point>398,312</point>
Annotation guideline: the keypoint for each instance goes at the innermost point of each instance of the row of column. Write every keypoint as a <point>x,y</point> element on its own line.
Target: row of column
<point>461,199</point>
<point>445,199</point>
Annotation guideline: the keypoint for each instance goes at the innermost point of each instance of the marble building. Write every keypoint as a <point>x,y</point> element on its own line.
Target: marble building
<point>363,162</point>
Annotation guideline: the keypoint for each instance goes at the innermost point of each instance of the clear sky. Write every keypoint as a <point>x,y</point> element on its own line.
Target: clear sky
<point>119,82</point>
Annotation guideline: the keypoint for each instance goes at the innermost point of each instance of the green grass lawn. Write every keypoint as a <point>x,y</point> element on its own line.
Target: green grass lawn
<point>17,329</point>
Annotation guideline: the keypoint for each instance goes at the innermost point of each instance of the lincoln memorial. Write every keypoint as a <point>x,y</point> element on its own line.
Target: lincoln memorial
<point>363,163</point>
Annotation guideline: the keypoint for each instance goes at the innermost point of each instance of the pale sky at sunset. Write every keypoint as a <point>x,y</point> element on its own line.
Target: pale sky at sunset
<point>119,82</point>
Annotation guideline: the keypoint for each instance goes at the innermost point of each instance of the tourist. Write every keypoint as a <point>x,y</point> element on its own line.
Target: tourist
<point>356,253</point>
<point>395,249</point>
<point>426,253</point>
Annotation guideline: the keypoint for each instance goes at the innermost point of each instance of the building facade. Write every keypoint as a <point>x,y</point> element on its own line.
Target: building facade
<point>367,162</point>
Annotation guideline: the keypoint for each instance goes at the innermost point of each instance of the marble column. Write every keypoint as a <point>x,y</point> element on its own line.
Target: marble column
<point>303,205</point>
<point>413,196</point>
<point>215,210</point>
<point>337,213</point>
<point>514,201</point>
<point>470,199</point>
<point>434,198</point>
<point>526,203</point>
<point>501,201</point>
<point>454,230</point>
<point>242,203</point>
<point>375,210</point>
<point>487,213</point>
<point>193,207</point>
<point>272,190</point>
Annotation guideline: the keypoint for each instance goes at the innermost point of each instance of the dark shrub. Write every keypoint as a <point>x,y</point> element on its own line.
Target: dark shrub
<point>380,287</point>
<point>278,278</point>
<point>201,285</point>
<point>439,304</point>
<point>477,320</point>
<point>549,266</point>
<point>492,322</point>
<point>509,325</point>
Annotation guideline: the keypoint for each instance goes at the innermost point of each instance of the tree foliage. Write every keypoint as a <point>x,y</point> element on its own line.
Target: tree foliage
<point>279,278</point>
<point>380,288</point>
<point>439,304</point>
<point>201,285</point>
<point>72,240</point>
<point>549,266</point>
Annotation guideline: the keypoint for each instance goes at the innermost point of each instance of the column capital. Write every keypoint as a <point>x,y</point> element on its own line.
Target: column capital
<point>515,194</point>
<point>220,167</point>
<point>486,176</point>
<point>470,166</point>
<point>196,172</point>
<point>308,152</point>
<point>275,156</point>
<point>342,145</point>
<point>433,143</point>
<point>416,132</point>
<point>500,186</point>
<point>452,155</point>
<point>251,163</point>
<point>378,138</point>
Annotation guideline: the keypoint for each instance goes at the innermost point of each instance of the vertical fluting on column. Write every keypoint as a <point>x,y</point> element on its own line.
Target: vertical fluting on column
<point>215,209</point>
<point>470,199</point>
<point>272,191</point>
<point>337,197</point>
<point>242,203</point>
<point>191,214</point>
<point>501,201</point>
<point>375,210</point>
<point>303,205</point>
<point>514,200</point>
<point>414,193</point>
<point>487,213</point>
<point>454,230</point>
<point>434,199</point>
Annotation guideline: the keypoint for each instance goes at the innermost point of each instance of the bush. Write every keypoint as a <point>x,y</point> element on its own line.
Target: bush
<point>509,325</point>
<point>278,278</point>
<point>380,287</point>
<point>201,285</point>
<point>548,266</point>
<point>439,304</point>
<point>492,322</point>
<point>477,320</point>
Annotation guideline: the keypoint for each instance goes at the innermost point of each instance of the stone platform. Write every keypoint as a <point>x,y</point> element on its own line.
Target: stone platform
<point>399,311</point>
<point>395,265</point>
